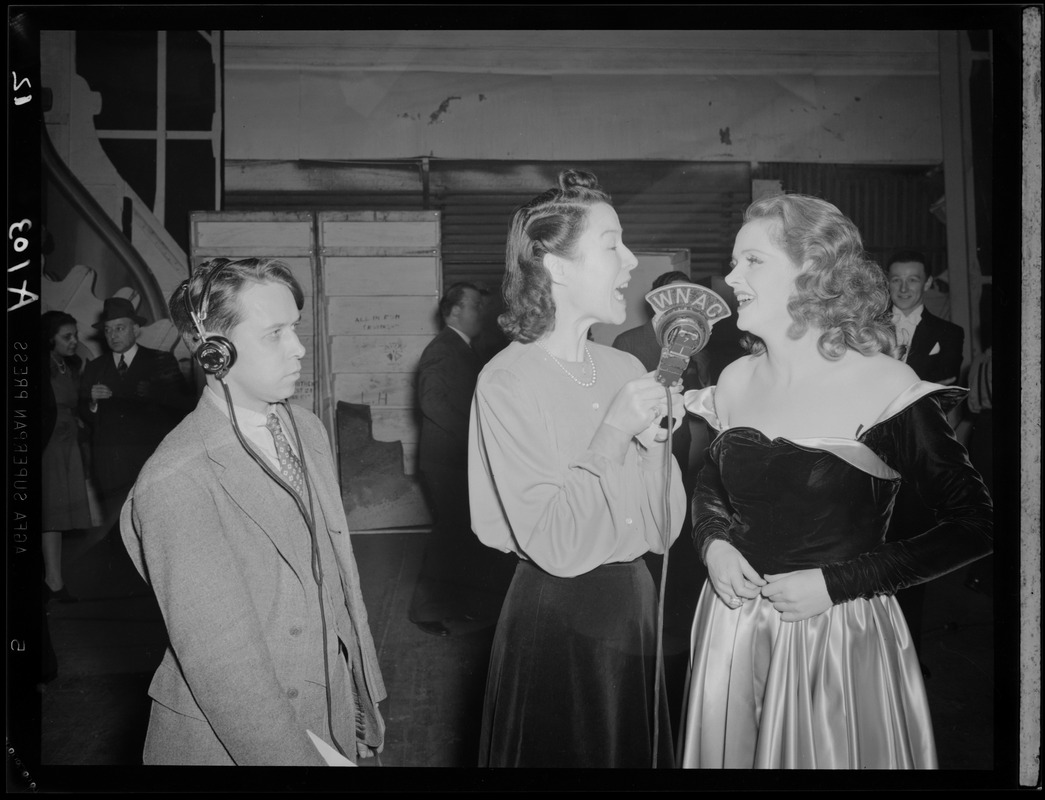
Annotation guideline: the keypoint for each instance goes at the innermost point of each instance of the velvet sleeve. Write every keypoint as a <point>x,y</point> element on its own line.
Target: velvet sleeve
<point>920,444</point>
<point>712,514</point>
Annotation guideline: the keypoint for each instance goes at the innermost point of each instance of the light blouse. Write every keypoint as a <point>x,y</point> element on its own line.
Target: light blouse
<point>554,484</point>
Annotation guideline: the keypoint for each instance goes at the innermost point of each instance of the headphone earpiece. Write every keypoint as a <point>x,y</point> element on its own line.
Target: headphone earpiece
<point>215,354</point>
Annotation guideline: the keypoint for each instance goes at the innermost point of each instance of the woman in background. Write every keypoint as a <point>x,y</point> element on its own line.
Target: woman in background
<point>801,655</point>
<point>567,470</point>
<point>65,505</point>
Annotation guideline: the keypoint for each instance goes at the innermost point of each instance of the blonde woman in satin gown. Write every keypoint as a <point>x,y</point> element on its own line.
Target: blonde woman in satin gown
<point>801,657</point>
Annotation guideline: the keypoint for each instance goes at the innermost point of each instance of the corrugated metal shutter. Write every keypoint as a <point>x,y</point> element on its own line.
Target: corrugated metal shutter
<point>889,204</point>
<point>661,204</point>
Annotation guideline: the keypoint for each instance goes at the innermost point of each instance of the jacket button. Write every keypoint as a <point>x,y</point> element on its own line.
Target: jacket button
<point>295,631</point>
<point>292,693</point>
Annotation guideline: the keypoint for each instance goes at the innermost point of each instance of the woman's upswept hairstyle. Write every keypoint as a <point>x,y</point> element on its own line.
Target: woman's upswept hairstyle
<point>840,290</point>
<point>550,223</point>
<point>214,289</point>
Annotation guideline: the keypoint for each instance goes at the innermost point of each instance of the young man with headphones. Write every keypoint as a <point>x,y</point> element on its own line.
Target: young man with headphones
<point>237,524</point>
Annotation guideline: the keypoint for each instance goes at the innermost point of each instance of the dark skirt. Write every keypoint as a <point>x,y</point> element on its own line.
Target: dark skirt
<point>571,676</point>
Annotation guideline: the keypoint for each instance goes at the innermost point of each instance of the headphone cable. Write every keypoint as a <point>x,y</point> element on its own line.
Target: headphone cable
<point>317,568</point>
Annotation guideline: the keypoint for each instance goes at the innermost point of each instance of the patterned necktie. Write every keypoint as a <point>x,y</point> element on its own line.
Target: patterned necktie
<point>903,338</point>
<point>122,366</point>
<point>289,464</point>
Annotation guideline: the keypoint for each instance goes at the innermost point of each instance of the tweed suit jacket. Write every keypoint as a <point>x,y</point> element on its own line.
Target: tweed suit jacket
<point>446,377</point>
<point>222,546</point>
<point>943,337</point>
<point>146,404</point>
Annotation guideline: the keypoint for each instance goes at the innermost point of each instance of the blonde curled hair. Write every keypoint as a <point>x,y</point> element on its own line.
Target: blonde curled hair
<point>840,291</point>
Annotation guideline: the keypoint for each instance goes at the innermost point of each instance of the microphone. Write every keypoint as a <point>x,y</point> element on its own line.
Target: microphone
<point>683,314</point>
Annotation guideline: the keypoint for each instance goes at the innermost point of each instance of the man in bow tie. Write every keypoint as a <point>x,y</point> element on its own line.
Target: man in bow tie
<point>932,346</point>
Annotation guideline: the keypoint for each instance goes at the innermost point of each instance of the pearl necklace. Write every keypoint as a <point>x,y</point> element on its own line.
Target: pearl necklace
<point>574,378</point>
<point>59,363</point>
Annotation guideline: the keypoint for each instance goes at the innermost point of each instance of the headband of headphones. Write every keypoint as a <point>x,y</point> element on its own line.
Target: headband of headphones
<point>215,354</point>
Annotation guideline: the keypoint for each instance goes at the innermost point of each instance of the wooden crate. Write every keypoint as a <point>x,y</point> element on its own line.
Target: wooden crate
<point>381,276</point>
<point>372,282</point>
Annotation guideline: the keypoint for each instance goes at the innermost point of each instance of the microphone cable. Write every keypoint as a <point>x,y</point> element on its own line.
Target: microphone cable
<point>659,659</point>
<point>677,313</point>
<point>309,516</point>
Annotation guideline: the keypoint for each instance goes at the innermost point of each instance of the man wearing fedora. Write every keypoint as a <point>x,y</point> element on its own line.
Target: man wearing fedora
<point>130,398</point>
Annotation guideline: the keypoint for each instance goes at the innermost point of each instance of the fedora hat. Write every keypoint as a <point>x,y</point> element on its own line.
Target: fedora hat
<point>118,308</point>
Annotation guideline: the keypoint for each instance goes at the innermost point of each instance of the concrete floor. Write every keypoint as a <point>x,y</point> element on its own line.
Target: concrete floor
<point>95,712</point>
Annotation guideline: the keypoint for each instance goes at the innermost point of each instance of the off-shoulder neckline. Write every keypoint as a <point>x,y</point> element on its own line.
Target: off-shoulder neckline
<point>702,403</point>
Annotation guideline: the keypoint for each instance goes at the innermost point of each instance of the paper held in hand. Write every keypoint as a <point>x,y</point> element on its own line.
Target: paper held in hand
<point>330,755</point>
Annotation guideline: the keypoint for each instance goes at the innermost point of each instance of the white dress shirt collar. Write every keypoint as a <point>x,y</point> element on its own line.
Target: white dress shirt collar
<point>128,355</point>
<point>252,425</point>
<point>462,334</point>
<point>905,325</point>
<point>911,319</point>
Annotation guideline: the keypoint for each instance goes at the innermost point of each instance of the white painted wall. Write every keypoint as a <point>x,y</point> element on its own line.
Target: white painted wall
<point>807,96</point>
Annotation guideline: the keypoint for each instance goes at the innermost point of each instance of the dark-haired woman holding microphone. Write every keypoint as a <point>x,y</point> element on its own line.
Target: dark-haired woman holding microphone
<point>567,471</point>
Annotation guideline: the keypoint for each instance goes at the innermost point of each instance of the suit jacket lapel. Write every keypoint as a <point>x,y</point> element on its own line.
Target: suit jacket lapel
<point>251,488</point>
<point>139,368</point>
<point>325,493</point>
<point>107,373</point>
<point>924,336</point>
<point>459,345</point>
<point>331,518</point>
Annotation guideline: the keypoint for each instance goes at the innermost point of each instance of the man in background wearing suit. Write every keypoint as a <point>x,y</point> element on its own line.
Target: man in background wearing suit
<point>130,398</point>
<point>237,524</point>
<point>932,347</point>
<point>461,583</point>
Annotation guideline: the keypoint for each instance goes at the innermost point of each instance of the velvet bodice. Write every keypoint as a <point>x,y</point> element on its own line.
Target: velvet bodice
<point>826,502</point>
<point>795,507</point>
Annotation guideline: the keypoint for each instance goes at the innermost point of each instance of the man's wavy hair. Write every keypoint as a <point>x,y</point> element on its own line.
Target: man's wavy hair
<point>550,223</point>
<point>220,303</point>
<point>840,291</point>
